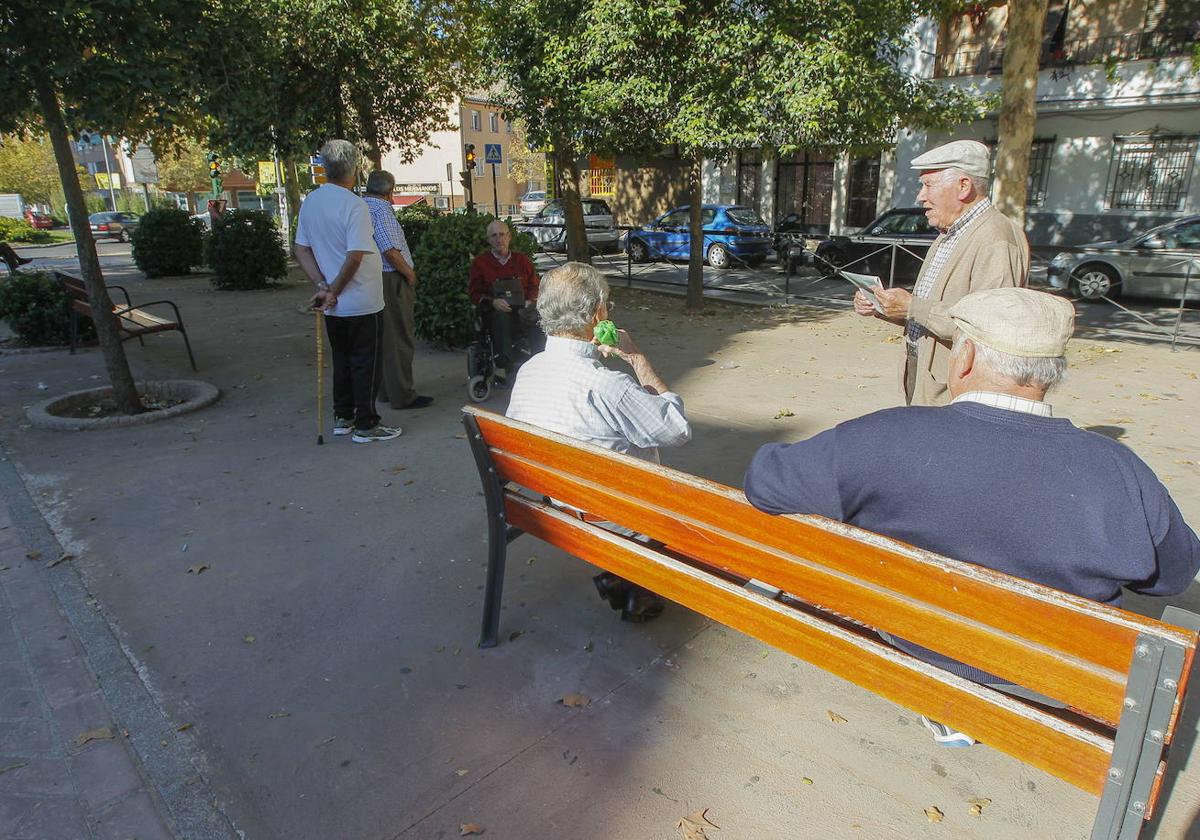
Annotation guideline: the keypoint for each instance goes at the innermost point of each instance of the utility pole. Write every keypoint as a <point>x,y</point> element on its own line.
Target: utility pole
<point>495,195</point>
<point>112,194</point>
<point>450,180</point>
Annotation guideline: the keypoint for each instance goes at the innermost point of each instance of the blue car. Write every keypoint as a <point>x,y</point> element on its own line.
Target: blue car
<point>733,235</point>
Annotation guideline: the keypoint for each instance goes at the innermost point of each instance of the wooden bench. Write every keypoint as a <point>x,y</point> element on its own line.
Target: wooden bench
<point>132,321</point>
<point>1122,677</point>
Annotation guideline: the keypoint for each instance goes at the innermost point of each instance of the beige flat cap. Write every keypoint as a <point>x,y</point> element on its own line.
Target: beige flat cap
<point>1020,322</point>
<point>970,156</point>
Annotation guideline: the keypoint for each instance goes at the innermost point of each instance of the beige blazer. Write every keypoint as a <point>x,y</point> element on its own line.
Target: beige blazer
<point>992,254</point>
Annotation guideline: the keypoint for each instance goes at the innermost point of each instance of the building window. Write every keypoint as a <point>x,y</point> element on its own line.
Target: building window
<point>862,201</point>
<point>475,120</point>
<point>494,122</point>
<point>508,126</point>
<point>441,202</point>
<point>1150,172</point>
<point>1038,175</point>
<point>749,178</point>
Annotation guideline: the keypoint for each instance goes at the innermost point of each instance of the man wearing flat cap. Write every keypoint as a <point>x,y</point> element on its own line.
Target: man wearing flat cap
<point>979,248</point>
<point>993,478</point>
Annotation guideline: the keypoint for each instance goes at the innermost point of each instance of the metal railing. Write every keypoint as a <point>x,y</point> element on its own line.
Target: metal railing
<point>1129,46</point>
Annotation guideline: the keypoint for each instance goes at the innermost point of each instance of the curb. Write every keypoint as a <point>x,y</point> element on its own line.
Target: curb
<point>194,393</point>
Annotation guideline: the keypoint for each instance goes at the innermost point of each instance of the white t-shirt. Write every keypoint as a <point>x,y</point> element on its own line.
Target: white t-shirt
<point>333,222</point>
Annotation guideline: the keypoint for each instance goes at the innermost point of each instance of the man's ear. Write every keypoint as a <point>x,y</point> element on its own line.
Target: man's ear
<point>966,358</point>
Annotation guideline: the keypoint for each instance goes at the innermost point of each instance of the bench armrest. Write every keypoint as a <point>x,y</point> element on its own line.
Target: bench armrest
<point>125,310</point>
<point>125,292</point>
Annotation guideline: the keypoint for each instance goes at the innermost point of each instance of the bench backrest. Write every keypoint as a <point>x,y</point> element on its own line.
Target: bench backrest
<point>1074,650</point>
<point>77,296</point>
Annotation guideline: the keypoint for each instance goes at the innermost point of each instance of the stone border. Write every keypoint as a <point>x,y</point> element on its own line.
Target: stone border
<point>195,395</point>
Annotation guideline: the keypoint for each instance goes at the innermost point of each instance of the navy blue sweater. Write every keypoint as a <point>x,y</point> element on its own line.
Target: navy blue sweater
<point>1034,497</point>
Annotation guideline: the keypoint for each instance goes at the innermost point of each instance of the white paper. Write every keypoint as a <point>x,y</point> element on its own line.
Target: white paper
<point>866,283</point>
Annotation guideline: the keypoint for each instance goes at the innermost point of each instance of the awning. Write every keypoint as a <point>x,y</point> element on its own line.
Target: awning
<point>407,200</point>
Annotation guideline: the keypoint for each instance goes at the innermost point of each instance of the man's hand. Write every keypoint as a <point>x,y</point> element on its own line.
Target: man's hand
<point>624,350</point>
<point>501,305</point>
<point>324,299</point>
<point>862,305</point>
<point>894,302</point>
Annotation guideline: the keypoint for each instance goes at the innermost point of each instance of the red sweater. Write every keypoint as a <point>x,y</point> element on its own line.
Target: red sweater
<point>485,271</point>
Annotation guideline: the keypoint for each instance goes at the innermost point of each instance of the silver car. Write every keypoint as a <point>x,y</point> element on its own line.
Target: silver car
<point>549,226</point>
<point>532,203</point>
<point>1153,264</point>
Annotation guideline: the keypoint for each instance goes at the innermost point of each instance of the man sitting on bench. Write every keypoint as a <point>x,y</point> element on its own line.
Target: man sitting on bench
<point>993,478</point>
<point>567,389</point>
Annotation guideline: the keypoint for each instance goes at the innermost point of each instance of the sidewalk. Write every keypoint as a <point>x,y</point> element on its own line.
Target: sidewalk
<point>66,770</point>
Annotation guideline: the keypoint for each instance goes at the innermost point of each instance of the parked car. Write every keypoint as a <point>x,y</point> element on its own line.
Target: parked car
<point>871,250</point>
<point>549,226</point>
<point>1153,264</point>
<point>733,235</point>
<point>532,203</point>
<point>40,221</point>
<point>113,225</point>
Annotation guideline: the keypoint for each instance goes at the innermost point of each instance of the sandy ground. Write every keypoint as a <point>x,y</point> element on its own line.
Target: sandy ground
<point>325,659</point>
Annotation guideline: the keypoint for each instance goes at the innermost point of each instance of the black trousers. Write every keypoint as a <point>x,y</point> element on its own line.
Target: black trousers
<point>354,340</point>
<point>514,334</point>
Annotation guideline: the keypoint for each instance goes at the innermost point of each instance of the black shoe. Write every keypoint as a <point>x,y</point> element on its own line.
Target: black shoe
<point>417,402</point>
<point>613,589</point>
<point>641,605</point>
<point>24,260</point>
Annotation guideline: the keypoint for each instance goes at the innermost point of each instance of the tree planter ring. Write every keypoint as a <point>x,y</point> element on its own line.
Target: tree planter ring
<point>194,393</point>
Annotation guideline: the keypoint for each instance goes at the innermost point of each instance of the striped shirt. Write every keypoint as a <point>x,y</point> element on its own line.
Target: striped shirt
<point>388,233</point>
<point>567,389</point>
<point>952,236</point>
<point>1008,402</point>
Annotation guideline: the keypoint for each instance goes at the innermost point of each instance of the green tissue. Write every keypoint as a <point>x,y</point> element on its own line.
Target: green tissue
<point>606,333</point>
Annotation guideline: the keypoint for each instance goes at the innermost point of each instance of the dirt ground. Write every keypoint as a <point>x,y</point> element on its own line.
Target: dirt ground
<point>325,659</point>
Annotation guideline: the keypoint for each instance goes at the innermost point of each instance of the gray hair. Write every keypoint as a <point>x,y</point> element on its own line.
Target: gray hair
<point>1038,372</point>
<point>982,185</point>
<point>569,297</point>
<point>381,182</point>
<point>340,159</point>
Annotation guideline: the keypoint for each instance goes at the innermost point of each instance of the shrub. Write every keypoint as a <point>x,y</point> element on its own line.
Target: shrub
<point>19,230</point>
<point>244,252</point>
<point>167,241</point>
<point>443,257</point>
<point>35,306</point>
<point>415,220</point>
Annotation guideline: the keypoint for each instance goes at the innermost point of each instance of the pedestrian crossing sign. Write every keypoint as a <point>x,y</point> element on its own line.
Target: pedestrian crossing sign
<point>491,153</point>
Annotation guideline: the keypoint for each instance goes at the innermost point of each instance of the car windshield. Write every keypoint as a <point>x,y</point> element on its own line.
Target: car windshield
<point>743,216</point>
<point>902,222</point>
<point>554,208</point>
<point>533,196</point>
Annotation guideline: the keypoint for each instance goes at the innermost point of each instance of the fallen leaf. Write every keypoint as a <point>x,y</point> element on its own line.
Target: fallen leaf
<point>248,639</point>
<point>461,773</point>
<point>16,766</point>
<point>807,780</point>
<point>197,569</point>
<point>512,637</point>
<point>63,559</point>
<point>469,828</point>
<point>589,647</point>
<point>3,568</point>
<point>575,700</point>
<point>274,715</point>
<point>784,412</point>
<point>693,825</point>
<point>183,727</point>
<point>978,803</point>
<point>100,733</point>
<point>934,814</point>
<point>834,716</point>
<point>34,555</point>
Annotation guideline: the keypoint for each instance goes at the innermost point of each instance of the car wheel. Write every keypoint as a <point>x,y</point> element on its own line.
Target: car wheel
<point>639,252</point>
<point>479,388</point>
<point>1095,281</point>
<point>718,256</point>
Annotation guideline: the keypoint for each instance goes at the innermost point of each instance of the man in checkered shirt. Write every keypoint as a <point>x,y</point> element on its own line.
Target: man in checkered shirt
<point>979,248</point>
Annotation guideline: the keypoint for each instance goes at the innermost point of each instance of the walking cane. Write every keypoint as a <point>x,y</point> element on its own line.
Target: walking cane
<point>320,379</point>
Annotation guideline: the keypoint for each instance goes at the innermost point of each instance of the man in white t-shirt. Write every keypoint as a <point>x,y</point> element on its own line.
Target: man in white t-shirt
<point>335,245</point>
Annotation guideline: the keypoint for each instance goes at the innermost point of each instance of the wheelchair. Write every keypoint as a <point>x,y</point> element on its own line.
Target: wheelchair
<point>481,353</point>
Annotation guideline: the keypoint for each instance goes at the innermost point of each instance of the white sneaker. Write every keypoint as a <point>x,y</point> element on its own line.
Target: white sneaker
<point>375,433</point>
<point>945,736</point>
<point>343,425</point>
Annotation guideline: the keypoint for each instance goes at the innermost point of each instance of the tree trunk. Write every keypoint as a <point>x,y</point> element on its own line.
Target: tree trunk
<point>125,393</point>
<point>291,185</point>
<point>567,166</point>
<point>368,130</point>
<point>1018,107</point>
<point>695,281</point>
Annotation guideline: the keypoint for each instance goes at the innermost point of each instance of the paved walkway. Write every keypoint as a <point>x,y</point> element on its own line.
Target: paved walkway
<point>66,770</point>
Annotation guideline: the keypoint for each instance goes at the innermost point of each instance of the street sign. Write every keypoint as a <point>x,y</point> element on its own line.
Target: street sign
<point>145,168</point>
<point>491,153</point>
<point>317,168</point>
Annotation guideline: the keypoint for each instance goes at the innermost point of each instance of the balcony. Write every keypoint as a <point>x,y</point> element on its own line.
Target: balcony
<point>1132,46</point>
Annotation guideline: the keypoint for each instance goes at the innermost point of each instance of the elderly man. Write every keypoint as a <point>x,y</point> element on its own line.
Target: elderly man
<point>979,248</point>
<point>993,478</point>
<point>399,285</point>
<point>335,245</point>
<point>567,389</point>
<point>500,267</point>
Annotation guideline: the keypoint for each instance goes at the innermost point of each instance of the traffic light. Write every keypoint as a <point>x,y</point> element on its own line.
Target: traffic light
<point>214,166</point>
<point>464,178</point>
<point>470,156</point>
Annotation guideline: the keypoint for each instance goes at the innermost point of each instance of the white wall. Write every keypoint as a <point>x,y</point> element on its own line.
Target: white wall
<point>429,167</point>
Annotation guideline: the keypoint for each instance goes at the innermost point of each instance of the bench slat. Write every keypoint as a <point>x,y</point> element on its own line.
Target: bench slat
<point>1092,690</point>
<point>1069,752</point>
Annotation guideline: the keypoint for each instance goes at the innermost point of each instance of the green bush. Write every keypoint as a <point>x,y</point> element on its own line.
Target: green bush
<point>19,230</point>
<point>244,251</point>
<point>415,219</point>
<point>167,242</point>
<point>35,306</point>
<point>442,259</point>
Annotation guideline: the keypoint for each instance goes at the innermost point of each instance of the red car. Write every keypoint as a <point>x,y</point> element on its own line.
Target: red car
<point>38,220</point>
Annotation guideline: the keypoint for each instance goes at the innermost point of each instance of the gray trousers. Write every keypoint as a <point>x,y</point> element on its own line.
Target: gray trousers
<point>397,340</point>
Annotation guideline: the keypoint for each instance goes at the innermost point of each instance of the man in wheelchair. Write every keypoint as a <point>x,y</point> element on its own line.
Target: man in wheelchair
<point>503,287</point>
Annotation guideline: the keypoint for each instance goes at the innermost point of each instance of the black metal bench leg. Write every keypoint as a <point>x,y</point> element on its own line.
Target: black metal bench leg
<point>188,345</point>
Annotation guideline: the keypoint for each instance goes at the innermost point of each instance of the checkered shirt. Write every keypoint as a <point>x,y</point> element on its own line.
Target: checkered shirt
<point>952,237</point>
<point>1008,402</point>
<point>567,389</point>
<point>388,233</point>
